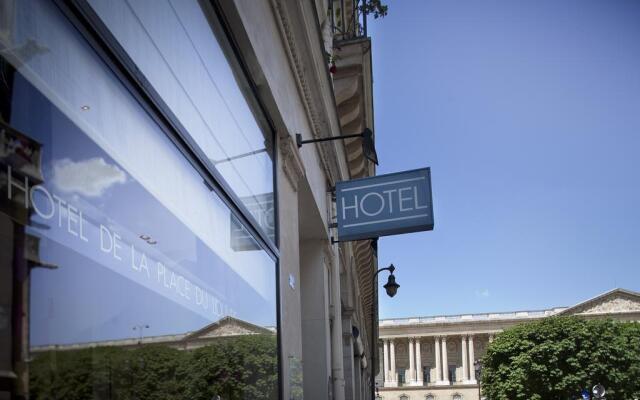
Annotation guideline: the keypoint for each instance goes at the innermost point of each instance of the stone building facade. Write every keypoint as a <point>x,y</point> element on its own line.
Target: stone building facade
<point>432,358</point>
<point>206,208</point>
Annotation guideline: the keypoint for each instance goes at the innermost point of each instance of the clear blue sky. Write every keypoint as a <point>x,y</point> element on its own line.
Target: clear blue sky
<point>528,114</point>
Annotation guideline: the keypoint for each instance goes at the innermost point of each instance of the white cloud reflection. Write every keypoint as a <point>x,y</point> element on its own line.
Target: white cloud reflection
<point>91,177</point>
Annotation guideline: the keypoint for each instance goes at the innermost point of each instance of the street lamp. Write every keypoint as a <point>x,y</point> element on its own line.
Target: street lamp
<point>391,287</point>
<point>477,366</point>
<point>598,391</point>
<point>139,328</point>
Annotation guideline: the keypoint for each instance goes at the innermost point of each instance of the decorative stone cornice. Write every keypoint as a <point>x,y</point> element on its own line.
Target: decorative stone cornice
<point>281,15</point>
<point>291,162</point>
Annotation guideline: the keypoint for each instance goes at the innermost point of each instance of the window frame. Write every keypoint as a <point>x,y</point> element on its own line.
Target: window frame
<point>91,28</point>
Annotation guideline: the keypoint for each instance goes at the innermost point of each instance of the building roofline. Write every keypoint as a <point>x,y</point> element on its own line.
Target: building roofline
<point>600,297</point>
<point>498,316</point>
<point>479,316</point>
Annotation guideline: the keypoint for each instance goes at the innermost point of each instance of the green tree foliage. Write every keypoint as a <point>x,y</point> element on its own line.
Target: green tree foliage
<point>555,358</point>
<point>233,368</point>
<point>375,8</point>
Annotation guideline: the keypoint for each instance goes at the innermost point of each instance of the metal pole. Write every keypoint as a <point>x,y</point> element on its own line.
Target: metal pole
<point>364,17</point>
<point>300,142</point>
<point>374,344</point>
<point>374,321</point>
<point>243,155</point>
<point>354,12</point>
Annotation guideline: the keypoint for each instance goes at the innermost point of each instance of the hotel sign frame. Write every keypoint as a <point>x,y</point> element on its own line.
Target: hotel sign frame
<point>384,205</point>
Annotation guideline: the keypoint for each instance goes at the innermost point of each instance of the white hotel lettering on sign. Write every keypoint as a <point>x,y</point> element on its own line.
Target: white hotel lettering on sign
<point>384,205</point>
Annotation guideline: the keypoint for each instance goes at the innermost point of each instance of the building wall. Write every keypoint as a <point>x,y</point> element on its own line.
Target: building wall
<point>277,66</point>
<point>286,52</point>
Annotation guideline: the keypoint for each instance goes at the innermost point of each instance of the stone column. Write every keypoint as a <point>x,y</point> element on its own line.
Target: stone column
<point>394,377</point>
<point>385,362</point>
<point>436,349</point>
<point>412,365</point>
<point>465,365</point>
<point>419,377</point>
<point>445,362</point>
<point>472,359</point>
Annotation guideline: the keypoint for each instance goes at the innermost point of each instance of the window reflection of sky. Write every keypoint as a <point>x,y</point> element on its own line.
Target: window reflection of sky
<point>173,45</point>
<point>82,300</point>
<point>115,122</point>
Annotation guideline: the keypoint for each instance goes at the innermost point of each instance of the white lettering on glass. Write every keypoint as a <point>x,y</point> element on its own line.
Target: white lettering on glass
<point>104,231</point>
<point>61,203</point>
<point>24,189</point>
<point>72,216</point>
<point>75,224</point>
<point>37,208</point>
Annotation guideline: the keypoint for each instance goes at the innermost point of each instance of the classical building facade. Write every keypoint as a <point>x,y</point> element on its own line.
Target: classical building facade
<point>432,358</point>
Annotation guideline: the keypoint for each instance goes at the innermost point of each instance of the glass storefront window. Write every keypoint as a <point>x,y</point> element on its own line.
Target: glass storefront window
<point>121,276</point>
<point>173,45</point>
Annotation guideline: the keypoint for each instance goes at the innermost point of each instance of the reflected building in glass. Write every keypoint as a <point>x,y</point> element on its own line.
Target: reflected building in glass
<point>161,235</point>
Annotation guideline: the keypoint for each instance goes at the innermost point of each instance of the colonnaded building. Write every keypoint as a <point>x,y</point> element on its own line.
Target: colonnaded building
<point>432,358</point>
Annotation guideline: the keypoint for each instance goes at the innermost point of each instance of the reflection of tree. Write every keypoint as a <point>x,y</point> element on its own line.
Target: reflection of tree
<point>242,367</point>
<point>295,378</point>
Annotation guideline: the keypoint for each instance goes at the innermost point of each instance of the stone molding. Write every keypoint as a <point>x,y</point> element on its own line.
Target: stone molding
<point>615,305</point>
<point>291,162</point>
<point>286,30</point>
<point>615,302</point>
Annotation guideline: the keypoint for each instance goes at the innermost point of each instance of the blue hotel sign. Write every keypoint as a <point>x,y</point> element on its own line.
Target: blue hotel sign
<point>384,205</point>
